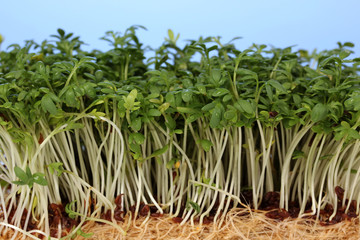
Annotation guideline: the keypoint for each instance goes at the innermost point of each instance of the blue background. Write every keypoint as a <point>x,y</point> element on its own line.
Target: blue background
<point>309,24</point>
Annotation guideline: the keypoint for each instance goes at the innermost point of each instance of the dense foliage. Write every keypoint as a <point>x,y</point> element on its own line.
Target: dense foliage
<point>185,131</point>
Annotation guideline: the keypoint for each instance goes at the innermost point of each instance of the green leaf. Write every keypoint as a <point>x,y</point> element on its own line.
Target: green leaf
<point>136,124</point>
<point>107,90</point>
<point>227,97</point>
<point>28,172</point>
<point>48,105</point>
<point>245,106</point>
<point>135,147</point>
<point>298,154</point>
<point>201,88</point>
<point>353,134</point>
<point>220,92</point>
<point>137,137</point>
<point>27,178</point>
<point>186,110</point>
<point>208,106</point>
<point>275,84</point>
<point>178,131</point>
<point>171,163</point>
<point>56,166</point>
<point>319,112</point>
<point>206,144</point>
<point>353,103</point>
<point>344,54</point>
<point>92,77</point>
<point>297,99</point>
<point>99,75</point>
<point>212,48</point>
<point>243,71</point>
<point>171,35</point>
<point>20,174</point>
<point>70,98</point>
<point>216,76</point>
<point>269,91</point>
<point>69,211</point>
<point>129,101</point>
<point>154,113</point>
<point>186,95</point>
<point>7,105</point>
<point>170,98</point>
<point>193,117</point>
<point>158,152</point>
<point>324,62</point>
<point>163,107</point>
<point>15,74</point>
<point>170,122</point>
<point>345,130</point>
<point>39,178</point>
<point>94,113</point>
<point>22,95</point>
<point>216,116</point>
<point>61,32</point>
<point>282,107</point>
<point>73,125</point>
<point>19,182</point>
<point>230,115</point>
<point>89,90</point>
<point>4,183</point>
<point>195,206</point>
<point>79,232</point>
<point>349,44</point>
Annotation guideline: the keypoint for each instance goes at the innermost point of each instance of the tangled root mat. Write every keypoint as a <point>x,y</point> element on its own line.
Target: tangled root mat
<point>239,224</point>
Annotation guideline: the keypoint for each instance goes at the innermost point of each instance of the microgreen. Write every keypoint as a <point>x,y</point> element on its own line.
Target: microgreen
<point>193,205</point>
<point>56,166</point>
<point>68,209</point>
<point>79,232</point>
<point>27,178</point>
<point>118,123</point>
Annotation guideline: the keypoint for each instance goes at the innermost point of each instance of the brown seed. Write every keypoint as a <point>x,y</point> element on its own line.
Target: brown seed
<point>273,114</point>
<point>107,215</point>
<point>41,139</point>
<point>279,214</point>
<point>207,220</point>
<point>156,215</point>
<point>339,192</point>
<point>118,200</point>
<point>144,210</point>
<point>177,219</point>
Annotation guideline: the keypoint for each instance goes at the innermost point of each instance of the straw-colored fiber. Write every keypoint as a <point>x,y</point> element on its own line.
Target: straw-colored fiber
<point>239,224</point>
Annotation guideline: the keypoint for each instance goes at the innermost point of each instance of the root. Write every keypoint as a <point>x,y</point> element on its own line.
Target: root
<point>239,224</point>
